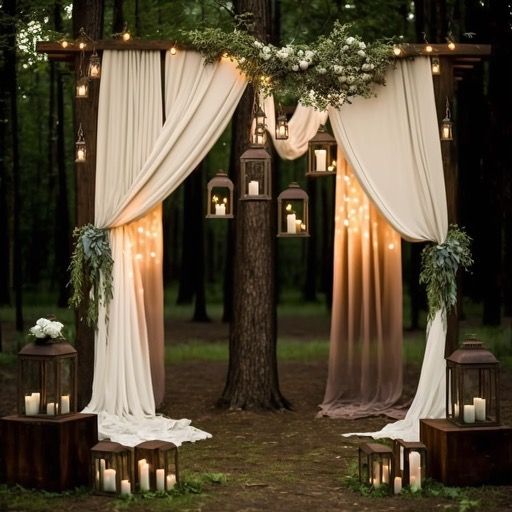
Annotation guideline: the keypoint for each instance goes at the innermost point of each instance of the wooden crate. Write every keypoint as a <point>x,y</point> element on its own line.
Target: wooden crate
<point>467,455</point>
<point>47,454</point>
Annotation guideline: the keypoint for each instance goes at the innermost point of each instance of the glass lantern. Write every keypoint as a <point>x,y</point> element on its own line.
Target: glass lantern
<point>322,156</point>
<point>281,127</point>
<point>220,197</point>
<point>82,87</point>
<point>436,66</point>
<point>80,147</point>
<point>410,462</point>
<point>255,174</point>
<point>292,212</point>
<point>259,134</point>
<point>472,386</point>
<point>156,466</point>
<point>94,69</point>
<point>47,380</point>
<point>112,468</point>
<point>375,464</point>
<point>447,124</point>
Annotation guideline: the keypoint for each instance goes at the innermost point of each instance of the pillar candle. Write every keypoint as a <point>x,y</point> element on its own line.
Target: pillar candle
<point>414,464</point>
<point>469,414</point>
<point>64,404</point>
<point>109,480</point>
<point>446,132</point>
<point>160,480</point>
<point>376,474</point>
<point>126,488</point>
<point>298,223</point>
<point>397,485</point>
<point>290,223</point>
<point>456,410</point>
<point>479,404</point>
<point>282,131</point>
<point>80,155</point>
<point>321,159</point>
<point>220,209</point>
<point>170,481</point>
<point>385,473</point>
<point>36,401</point>
<point>143,475</point>
<point>29,405</point>
<point>254,188</point>
<point>401,457</point>
<point>81,90</point>
<point>50,409</point>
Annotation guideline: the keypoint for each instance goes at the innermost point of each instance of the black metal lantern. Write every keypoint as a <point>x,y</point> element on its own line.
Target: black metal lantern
<point>410,462</point>
<point>322,150</point>
<point>111,468</point>
<point>80,147</point>
<point>220,197</point>
<point>94,68</point>
<point>282,127</point>
<point>156,466</point>
<point>375,464</point>
<point>82,87</point>
<point>472,386</point>
<point>447,124</point>
<point>259,134</point>
<point>255,174</point>
<point>47,379</point>
<point>292,212</point>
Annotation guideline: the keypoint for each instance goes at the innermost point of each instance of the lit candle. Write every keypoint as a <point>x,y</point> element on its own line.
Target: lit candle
<point>64,404</point>
<point>51,409</point>
<point>290,223</point>
<point>469,414</point>
<point>170,481</point>
<point>456,410</point>
<point>385,473</point>
<point>303,227</point>
<point>282,131</point>
<point>376,474</point>
<point>143,475</point>
<point>298,223</point>
<point>220,209</point>
<point>126,488</point>
<point>321,159</point>
<point>397,485</point>
<point>160,480</point>
<point>36,402</point>
<point>401,457</point>
<point>254,188</point>
<point>82,90</point>
<point>446,132</point>
<point>109,480</point>
<point>29,405</point>
<point>479,404</point>
<point>94,71</point>
<point>80,155</point>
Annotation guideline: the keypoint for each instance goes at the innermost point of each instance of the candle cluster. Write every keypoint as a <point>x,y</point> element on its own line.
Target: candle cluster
<point>163,482</point>
<point>220,205</point>
<point>293,224</point>
<point>321,162</point>
<point>472,413</point>
<point>33,404</point>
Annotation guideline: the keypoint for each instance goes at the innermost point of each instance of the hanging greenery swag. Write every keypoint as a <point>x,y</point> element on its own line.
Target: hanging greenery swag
<point>326,73</point>
<point>439,269</point>
<point>91,270</point>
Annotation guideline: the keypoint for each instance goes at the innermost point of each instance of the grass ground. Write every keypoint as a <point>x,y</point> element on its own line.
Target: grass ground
<point>266,461</point>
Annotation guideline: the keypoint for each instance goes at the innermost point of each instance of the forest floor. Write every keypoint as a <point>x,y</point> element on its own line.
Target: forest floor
<point>261,461</point>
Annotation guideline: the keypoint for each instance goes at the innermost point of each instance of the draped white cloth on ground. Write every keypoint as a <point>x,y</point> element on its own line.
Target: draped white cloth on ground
<point>392,144</point>
<point>139,163</point>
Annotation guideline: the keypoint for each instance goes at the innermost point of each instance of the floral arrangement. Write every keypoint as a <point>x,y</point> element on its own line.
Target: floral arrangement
<point>91,270</point>
<point>46,328</point>
<point>439,269</point>
<point>327,73</point>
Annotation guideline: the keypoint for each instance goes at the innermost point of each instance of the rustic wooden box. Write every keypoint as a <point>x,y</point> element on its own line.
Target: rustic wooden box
<point>47,454</point>
<point>465,455</point>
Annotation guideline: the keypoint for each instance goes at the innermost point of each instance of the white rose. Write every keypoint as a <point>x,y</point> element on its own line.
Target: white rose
<point>344,48</point>
<point>352,88</point>
<point>349,40</point>
<point>321,71</point>
<point>295,67</point>
<point>258,44</point>
<point>342,79</point>
<point>362,46</point>
<point>361,53</point>
<point>303,64</point>
<point>309,54</point>
<point>366,77</point>
<point>43,322</point>
<point>37,331</point>
<point>350,79</point>
<point>53,329</point>
<point>338,69</point>
<point>300,53</point>
<point>266,49</point>
<point>241,60</point>
<point>372,66</point>
<point>266,56</point>
<point>365,67</point>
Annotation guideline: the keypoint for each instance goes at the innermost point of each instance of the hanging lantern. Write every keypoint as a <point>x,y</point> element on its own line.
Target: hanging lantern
<point>375,464</point>
<point>259,134</point>
<point>292,212</point>
<point>82,87</point>
<point>447,124</point>
<point>80,147</point>
<point>436,66</point>
<point>322,150</point>
<point>472,386</point>
<point>156,464</point>
<point>451,42</point>
<point>410,463</point>
<point>220,197</point>
<point>281,127</point>
<point>111,468</point>
<point>94,69</point>
<point>47,379</point>
<point>255,174</point>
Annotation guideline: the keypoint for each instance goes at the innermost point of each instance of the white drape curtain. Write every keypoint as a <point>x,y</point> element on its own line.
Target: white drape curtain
<point>139,163</point>
<point>392,144</point>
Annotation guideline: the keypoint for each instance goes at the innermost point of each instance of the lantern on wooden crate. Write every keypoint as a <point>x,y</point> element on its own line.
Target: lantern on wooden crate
<point>292,212</point>
<point>375,464</point>
<point>220,197</point>
<point>410,462</point>
<point>47,379</point>
<point>156,466</point>
<point>472,386</point>
<point>255,174</point>
<point>111,468</point>
<point>322,150</point>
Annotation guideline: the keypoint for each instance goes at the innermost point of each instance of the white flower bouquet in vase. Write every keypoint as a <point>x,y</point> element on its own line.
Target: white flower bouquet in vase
<point>47,330</point>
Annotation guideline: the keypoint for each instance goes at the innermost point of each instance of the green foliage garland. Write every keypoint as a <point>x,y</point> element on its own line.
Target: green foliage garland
<point>439,269</point>
<point>327,73</point>
<point>91,270</point>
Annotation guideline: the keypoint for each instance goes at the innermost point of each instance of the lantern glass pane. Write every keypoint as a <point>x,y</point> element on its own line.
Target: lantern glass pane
<point>293,217</point>
<point>220,201</point>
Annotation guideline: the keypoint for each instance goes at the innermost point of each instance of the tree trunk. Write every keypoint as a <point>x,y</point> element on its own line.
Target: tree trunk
<point>252,379</point>
<point>118,17</point>
<point>311,258</point>
<point>87,14</point>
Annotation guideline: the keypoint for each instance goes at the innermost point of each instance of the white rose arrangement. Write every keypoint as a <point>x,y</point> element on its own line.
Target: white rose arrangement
<point>45,328</point>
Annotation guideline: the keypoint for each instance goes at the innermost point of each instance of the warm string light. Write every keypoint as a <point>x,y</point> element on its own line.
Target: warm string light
<point>173,50</point>
<point>428,46</point>
<point>450,41</point>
